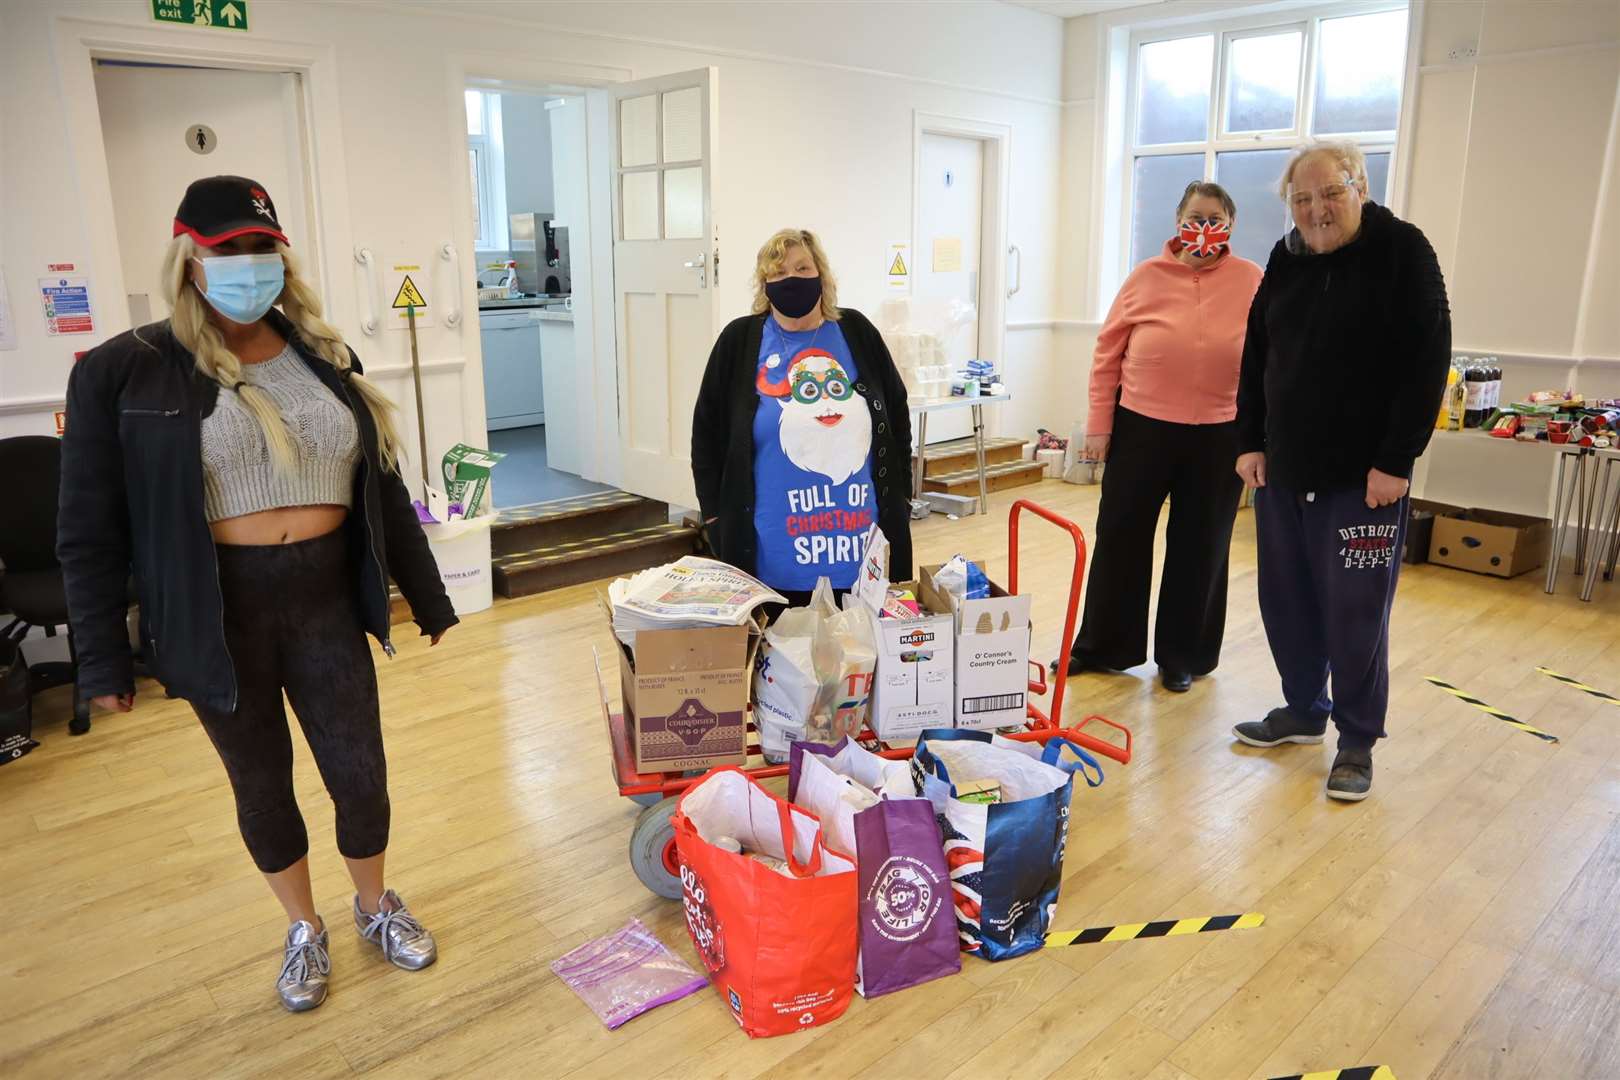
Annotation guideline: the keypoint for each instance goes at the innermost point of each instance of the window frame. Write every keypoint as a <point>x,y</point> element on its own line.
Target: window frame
<point>1217,139</point>
<point>493,233</point>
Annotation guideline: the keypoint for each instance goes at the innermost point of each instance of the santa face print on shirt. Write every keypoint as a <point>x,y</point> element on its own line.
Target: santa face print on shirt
<point>825,425</point>
<point>813,497</point>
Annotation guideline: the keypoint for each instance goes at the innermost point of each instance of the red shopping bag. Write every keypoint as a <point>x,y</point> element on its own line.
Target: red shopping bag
<point>780,947</point>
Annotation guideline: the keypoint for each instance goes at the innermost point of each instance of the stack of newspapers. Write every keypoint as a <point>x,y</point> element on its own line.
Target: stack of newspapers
<point>683,595</point>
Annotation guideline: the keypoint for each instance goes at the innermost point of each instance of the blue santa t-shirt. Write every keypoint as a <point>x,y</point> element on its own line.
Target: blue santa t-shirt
<point>813,497</point>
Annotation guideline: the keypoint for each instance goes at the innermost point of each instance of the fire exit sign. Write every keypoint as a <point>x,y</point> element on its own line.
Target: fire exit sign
<point>221,14</point>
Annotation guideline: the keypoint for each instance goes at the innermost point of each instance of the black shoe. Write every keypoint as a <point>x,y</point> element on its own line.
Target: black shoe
<point>1177,682</point>
<point>1280,726</point>
<point>1076,666</point>
<point>1351,778</point>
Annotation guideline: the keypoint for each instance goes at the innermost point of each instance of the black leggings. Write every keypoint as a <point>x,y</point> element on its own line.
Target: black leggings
<point>292,622</point>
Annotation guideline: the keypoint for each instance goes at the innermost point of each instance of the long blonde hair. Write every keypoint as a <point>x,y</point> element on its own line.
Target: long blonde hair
<point>775,252</point>
<point>193,329</point>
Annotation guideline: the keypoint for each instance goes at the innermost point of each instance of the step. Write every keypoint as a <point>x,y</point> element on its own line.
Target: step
<point>1009,474</point>
<point>525,528</point>
<point>573,562</point>
<point>398,610</point>
<point>957,454</point>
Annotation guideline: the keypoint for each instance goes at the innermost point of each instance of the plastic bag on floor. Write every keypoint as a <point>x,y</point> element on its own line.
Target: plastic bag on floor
<point>626,973</point>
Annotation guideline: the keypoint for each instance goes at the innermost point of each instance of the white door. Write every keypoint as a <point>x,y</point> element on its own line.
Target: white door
<point>150,121</point>
<point>663,133</point>
<point>950,205</point>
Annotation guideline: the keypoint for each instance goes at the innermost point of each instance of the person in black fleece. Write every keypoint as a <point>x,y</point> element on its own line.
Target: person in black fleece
<point>1344,365</point>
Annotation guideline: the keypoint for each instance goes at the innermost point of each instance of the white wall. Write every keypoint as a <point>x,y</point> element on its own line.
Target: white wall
<point>526,143</point>
<point>815,123</point>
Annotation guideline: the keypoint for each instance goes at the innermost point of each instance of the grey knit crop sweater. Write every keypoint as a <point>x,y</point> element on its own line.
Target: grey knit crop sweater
<point>240,477</point>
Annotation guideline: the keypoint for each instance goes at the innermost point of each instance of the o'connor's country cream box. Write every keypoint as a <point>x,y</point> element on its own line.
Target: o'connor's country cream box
<point>992,654</point>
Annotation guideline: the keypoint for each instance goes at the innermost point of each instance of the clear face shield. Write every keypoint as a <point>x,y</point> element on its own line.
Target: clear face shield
<point>1322,219</point>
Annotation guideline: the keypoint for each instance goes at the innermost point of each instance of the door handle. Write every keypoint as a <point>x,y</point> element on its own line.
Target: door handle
<point>1018,280</point>
<point>700,265</point>
<point>368,264</point>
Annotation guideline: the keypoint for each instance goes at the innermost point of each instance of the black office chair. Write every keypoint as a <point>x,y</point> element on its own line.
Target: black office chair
<point>31,586</point>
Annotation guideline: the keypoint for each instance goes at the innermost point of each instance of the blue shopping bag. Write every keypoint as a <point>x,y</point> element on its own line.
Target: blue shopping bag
<point>1005,858</point>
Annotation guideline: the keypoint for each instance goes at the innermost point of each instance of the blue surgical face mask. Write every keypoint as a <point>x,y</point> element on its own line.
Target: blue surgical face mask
<point>243,287</point>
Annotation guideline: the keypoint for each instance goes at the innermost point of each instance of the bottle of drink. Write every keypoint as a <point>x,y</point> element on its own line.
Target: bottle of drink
<point>1496,382</point>
<point>1474,406</point>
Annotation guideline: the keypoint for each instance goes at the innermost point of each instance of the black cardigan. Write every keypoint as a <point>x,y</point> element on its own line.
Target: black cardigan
<point>1346,356</point>
<point>132,498</point>
<point>723,439</point>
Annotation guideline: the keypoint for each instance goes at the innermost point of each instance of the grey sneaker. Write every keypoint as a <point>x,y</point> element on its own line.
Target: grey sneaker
<point>304,969</point>
<point>1351,778</point>
<point>403,940</point>
<point>1280,726</point>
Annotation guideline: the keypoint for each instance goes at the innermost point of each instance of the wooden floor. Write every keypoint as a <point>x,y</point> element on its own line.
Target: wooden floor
<point>1463,922</point>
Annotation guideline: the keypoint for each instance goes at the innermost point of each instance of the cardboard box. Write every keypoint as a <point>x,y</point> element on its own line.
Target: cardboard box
<point>992,654</point>
<point>1420,528</point>
<point>1490,542</point>
<point>916,675</point>
<point>685,696</point>
<point>466,476</point>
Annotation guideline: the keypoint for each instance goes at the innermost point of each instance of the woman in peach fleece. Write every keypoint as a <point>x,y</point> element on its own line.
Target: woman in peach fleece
<point>1163,402</point>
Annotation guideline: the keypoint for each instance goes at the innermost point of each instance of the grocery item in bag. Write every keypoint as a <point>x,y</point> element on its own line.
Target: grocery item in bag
<point>785,684</point>
<point>780,948</point>
<point>906,924</point>
<point>626,973</point>
<point>1006,857</point>
<point>815,674</point>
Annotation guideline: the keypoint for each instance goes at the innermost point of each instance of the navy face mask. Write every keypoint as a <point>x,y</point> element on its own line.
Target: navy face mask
<point>794,297</point>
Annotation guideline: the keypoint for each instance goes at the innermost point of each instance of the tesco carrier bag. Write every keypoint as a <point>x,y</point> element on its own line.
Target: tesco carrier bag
<point>1003,808</point>
<point>868,805</point>
<point>769,904</point>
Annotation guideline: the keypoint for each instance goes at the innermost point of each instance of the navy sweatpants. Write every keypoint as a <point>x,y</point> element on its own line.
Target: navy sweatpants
<point>1327,572</point>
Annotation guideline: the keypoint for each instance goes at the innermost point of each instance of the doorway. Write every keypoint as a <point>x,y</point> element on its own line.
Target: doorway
<point>950,214</point>
<point>164,126</point>
<point>526,151</point>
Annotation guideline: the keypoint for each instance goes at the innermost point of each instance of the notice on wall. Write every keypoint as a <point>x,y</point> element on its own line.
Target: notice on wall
<point>67,304</point>
<point>899,267</point>
<point>8,328</point>
<point>947,254</point>
<point>218,14</point>
<point>405,287</point>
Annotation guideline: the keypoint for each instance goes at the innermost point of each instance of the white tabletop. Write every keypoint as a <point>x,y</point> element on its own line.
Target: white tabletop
<point>940,404</point>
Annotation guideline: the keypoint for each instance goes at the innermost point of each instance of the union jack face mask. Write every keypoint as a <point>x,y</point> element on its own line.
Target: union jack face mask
<point>1203,237</point>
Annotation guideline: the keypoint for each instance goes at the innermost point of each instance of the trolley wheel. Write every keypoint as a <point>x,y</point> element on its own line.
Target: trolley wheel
<point>652,850</point>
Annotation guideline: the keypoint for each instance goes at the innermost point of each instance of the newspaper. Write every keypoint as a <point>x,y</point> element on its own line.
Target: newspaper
<point>689,593</point>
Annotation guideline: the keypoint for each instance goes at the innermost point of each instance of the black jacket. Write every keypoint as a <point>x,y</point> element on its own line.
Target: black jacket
<point>723,439</point>
<point>132,497</point>
<point>1346,356</point>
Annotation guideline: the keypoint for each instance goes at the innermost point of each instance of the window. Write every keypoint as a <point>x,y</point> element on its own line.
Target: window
<point>486,159</point>
<point>1230,102</point>
<point>660,169</point>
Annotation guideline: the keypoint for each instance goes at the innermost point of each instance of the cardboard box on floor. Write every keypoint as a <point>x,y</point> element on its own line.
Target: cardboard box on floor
<point>1490,542</point>
<point>1421,514</point>
<point>992,654</point>
<point>685,695</point>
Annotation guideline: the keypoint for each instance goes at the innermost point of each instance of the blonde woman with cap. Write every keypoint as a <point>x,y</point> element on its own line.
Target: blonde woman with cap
<point>235,457</point>
<point>801,436</point>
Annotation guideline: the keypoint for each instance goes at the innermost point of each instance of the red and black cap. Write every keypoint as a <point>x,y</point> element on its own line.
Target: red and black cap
<point>221,208</point>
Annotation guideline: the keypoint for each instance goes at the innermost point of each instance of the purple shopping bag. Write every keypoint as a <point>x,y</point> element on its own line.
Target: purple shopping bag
<point>906,920</point>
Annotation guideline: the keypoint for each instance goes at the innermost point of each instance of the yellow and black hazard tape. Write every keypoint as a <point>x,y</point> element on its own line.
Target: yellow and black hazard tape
<point>1163,928</point>
<point>1360,1072</point>
<point>1490,710</point>
<point>1582,687</point>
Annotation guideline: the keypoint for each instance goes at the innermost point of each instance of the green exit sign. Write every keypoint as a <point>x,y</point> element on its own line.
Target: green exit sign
<point>222,14</point>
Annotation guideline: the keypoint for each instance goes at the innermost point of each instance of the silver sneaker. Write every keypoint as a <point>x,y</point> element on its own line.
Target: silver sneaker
<point>304,969</point>
<point>403,940</point>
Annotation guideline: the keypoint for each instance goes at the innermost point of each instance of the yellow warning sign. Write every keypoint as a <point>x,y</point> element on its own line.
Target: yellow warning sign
<point>409,295</point>
<point>898,267</point>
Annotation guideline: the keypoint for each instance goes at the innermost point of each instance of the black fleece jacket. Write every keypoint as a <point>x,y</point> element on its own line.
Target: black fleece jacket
<point>1346,356</point>
<point>132,499</point>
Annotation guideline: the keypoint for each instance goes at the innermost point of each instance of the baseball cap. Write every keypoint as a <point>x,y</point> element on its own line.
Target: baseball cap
<point>220,208</point>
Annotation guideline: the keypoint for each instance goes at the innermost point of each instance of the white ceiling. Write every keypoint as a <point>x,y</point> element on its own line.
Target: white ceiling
<point>1068,9</point>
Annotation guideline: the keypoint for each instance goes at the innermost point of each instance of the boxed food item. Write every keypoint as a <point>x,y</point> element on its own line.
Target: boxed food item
<point>466,476</point>
<point>1490,542</point>
<point>915,674</point>
<point>685,695</point>
<point>1420,527</point>
<point>992,653</point>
